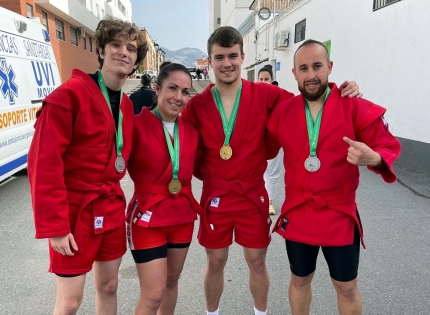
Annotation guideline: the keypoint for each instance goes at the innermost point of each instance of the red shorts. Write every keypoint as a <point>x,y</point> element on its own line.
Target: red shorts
<point>140,237</point>
<point>250,229</point>
<point>106,246</point>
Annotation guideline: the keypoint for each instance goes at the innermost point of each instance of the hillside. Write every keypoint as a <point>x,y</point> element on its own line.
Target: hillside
<point>186,56</point>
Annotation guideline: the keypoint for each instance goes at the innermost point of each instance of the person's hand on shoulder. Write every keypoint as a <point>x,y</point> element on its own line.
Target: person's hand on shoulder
<point>350,89</point>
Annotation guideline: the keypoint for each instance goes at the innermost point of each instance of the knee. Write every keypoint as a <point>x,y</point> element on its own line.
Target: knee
<point>154,299</point>
<point>301,282</point>
<point>347,290</point>
<point>216,265</point>
<point>257,266</point>
<point>68,307</point>
<point>108,287</point>
<point>172,282</point>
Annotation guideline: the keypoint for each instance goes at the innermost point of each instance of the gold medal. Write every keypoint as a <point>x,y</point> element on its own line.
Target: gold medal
<point>175,186</point>
<point>226,152</point>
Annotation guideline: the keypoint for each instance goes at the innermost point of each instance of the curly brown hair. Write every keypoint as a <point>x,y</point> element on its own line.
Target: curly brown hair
<point>110,28</point>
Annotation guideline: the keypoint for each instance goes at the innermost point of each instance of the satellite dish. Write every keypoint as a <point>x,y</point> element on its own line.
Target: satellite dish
<point>264,13</point>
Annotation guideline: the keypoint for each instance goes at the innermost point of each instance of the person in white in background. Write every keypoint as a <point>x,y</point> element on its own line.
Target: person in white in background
<point>274,166</point>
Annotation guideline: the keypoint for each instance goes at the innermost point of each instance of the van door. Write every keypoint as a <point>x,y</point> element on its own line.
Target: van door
<point>28,73</point>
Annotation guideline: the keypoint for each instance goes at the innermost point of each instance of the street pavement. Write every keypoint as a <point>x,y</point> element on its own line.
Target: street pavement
<point>394,274</point>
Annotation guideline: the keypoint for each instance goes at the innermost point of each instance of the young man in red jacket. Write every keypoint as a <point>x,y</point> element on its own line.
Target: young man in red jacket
<point>327,137</point>
<point>77,157</point>
<point>230,116</point>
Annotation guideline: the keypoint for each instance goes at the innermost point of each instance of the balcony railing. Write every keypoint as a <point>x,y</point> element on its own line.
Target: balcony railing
<point>378,4</point>
<point>277,6</point>
<point>247,24</point>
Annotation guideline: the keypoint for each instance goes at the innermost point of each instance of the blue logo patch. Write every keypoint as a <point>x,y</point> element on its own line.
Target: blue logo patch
<point>46,36</point>
<point>8,85</point>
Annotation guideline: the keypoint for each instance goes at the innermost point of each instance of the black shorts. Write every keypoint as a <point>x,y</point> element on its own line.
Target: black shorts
<point>141,256</point>
<point>342,261</point>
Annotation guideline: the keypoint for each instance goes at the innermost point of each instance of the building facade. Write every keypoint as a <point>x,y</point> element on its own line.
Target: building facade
<point>202,64</point>
<point>71,25</point>
<point>378,43</point>
<point>155,56</point>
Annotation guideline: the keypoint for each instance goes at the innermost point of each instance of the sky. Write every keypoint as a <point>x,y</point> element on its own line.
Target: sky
<point>174,24</point>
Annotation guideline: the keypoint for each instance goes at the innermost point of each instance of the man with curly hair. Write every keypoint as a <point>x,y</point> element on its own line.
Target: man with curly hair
<point>79,152</point>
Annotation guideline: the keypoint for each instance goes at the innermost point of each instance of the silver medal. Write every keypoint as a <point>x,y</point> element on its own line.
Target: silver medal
<point>312,164</point>
<point>120,164</point>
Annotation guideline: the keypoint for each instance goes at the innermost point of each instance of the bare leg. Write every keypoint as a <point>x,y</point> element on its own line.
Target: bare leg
<point>152,280</point>
<point>348,297</point>
<point>214,277</point>
<point>175,263</point>
<point>70,292</point>
<point>106,284</point>
<point>300,294</point>
<point>259,280</point>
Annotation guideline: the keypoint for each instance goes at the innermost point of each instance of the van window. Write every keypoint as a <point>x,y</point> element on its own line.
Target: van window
<point>59,30</point>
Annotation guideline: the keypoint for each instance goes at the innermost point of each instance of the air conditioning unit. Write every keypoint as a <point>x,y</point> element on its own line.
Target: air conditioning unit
<point>81,32</point>
<point>282,40</point>
<point>20,26</point>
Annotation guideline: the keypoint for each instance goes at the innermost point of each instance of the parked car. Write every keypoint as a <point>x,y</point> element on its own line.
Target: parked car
<point>192,71</point>
<point>152,73</point>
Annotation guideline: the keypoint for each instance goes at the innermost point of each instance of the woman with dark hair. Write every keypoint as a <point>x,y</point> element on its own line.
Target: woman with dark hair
<point>274,166</point>
<point>161,214</point>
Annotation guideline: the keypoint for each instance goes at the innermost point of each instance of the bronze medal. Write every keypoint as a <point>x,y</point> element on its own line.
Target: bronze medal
<point>175,186</point>
<point>226,152</point>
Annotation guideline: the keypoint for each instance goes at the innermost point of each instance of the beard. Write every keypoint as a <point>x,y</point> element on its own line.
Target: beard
<point>313,96</point>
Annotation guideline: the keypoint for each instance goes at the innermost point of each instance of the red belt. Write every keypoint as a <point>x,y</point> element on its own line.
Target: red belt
<point>161,192</point>
<point>96,193</point>
<point>321,200</point>
<point>219,187</point>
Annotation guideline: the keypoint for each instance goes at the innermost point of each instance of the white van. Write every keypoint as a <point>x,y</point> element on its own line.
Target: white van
<point>28,73</point>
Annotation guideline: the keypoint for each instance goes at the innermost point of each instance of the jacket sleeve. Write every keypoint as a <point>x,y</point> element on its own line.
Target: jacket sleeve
<point>53,133</point>
<point>189,115</point>
<point>271,136</point>
<point>278,95</point>
<point>377,136</point>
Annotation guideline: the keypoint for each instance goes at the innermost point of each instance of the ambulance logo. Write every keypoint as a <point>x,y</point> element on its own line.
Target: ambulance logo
<point>8,86</point>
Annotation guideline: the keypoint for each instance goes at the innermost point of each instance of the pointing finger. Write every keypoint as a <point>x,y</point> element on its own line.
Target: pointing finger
<point>349,141</point>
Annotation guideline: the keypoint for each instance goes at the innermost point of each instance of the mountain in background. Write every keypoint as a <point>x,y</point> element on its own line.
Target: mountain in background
<point>186,56</point>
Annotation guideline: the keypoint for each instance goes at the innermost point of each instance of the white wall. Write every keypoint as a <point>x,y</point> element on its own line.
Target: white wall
<point>385,51</point>
<point>111,8</point>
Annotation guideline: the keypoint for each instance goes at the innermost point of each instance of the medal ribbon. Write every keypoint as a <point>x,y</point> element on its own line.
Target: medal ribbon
<point>228,125</point>
<point>314,129</point>
<point>118,134</point>
<point>173,151</point>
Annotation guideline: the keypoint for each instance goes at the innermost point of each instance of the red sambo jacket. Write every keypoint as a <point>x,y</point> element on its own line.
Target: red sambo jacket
<point>74,185</point>
<point>320,207</point>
